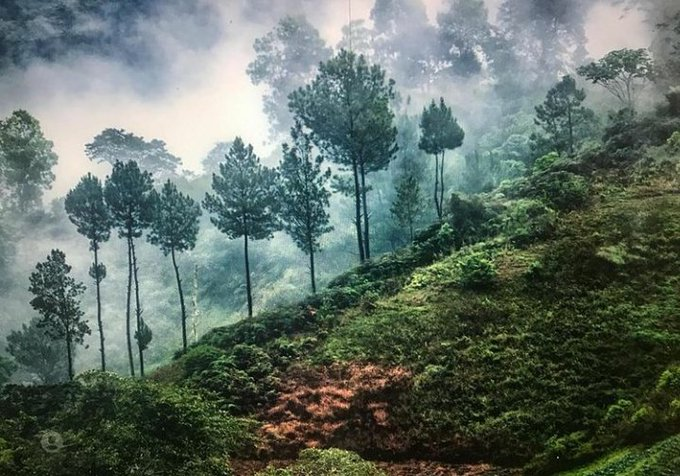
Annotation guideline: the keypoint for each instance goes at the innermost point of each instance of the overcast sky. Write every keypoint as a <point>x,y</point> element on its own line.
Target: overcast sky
<point>207,96</point>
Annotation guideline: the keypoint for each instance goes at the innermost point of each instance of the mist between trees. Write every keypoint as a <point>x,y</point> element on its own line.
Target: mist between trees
<point>373,136</point>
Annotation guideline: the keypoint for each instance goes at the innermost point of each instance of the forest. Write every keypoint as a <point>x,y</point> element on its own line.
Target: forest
<point>361,238</point>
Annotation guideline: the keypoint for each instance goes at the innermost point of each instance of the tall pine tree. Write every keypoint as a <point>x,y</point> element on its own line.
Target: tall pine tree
<point>439,132</point>
<point>347,106</point>
<point>304,197</point>
<point>128,194</point>
<point>87,210</point>
<point>57,299</point>
<point>174,229</point>
<point>244,203</point>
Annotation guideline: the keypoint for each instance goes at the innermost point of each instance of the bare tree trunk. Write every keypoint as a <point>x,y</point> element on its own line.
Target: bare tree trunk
<point>357,210</point>
<point>138,312</point>
<point>95,247</point>
<point>127,313</point>
<point>367,247</point>
<point>436,186</point>
<point>181,302</point>
<point>441,187</point>
<point>248,288</point>
<point>312,271</point>
<point>69,354</point>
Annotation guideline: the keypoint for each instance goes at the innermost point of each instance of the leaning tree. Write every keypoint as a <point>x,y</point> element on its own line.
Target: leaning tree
<point>87,210</point>
<point>174,229</point>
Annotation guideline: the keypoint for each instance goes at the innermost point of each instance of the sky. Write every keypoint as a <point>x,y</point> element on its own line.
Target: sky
<point>206,95</point>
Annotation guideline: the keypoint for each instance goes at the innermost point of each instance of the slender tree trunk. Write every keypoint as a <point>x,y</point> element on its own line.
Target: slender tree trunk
<point>181,302</point>
<point>571,132</point>
<point>367,248</point>
<point>312,271</point>
<point>436,186</point>
<point>138,312</point>
<point>69,355</point>
<point>357,211</point>
<point>248,288</point>
<point>410,230</point>
<point>127,313</point>
<point>441,187</point>
<point>95,247</point>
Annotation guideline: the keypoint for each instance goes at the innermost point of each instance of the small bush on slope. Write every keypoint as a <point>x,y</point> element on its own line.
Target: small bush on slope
<point>331,462</point>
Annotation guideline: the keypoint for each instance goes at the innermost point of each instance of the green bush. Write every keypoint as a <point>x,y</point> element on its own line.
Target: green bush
<point>331,462</point>
<point>477,271</point>
<point>527,221</point>
<point>545,162</point>
<point>560,190</point>
<point>673,143</point>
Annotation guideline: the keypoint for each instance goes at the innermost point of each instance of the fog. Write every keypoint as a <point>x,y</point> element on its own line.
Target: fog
<point>188,87</point>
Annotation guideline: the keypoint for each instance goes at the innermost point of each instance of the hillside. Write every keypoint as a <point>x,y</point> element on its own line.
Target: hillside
<point>537,328</point>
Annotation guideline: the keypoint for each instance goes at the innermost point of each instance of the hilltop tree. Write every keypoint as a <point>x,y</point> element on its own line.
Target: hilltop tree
<point>440,132</point>
<point>87,210</point>
<point>211,162</point>
<point>562,116</point>
<point>245,201</point>
<point>303,195</point>
<point>621,72</point>
<point>408,204</point>
<point>35,350</point>
<point>116,145</point>
<point>26,161</point>
<point>347,107</point>
<point>128,194</point>
<point>57,299</point>
<point>174,229</point>
<point>285,59</point>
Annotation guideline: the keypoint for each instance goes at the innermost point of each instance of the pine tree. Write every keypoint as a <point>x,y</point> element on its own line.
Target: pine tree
<point>304,197</point>
<point>174,229</point>
<point>57,299</point>
<point>408,204</point>
<point>244,203</point>
<point>562,116</point>
<point>347,106</point>
<point>440,132</point>
<point>128,194</point>
<point>87,210</point>
<point>36,351</point>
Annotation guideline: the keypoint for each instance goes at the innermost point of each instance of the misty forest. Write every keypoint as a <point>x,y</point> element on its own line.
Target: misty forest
<point>340,237</point>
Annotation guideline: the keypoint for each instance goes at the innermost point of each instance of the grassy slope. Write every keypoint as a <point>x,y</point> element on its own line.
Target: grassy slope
<point>524,372</point>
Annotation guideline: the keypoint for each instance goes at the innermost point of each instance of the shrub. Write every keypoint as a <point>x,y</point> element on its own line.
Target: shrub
<point>561,190</point>
<point>331,462</point>
<point>673,143</point>
<point>477,271</point>
<point>527,221</point>
<point>544,163</point>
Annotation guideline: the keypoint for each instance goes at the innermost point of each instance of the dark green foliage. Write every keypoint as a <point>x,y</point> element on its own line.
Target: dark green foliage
<point>116,145</point>
<point>347,107</point>
<point>37,352</point>
<point>128,193</point>
<point>563,118</point>
<point>244,203</point>
<point>7,368</point>
<point>439,132</point>
<point>303,196</point>
<point>57,299</point>
<point>108,425</point>
<point>328,462</point>
<point>87,210</point>
<point>469,219</point>
<point>560,190</point>
<point>622,73</point>
<point>527,221</point>
<point>26,161</point>
<point>407,206</point>
<point>286,58</point>
<point>174,229</point>
<point>477,271</point>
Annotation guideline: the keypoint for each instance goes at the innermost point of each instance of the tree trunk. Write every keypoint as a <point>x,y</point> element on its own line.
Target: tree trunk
<point>181,302</point>
<point>69,355</point>
<point>441,187</point>
<point>436,186</point>
<point>95,247</point>
<point>138,312</point>
<point>357,210</point>
<point>367,248</point>
<point>248,288</point>
<point>571,132</point>
<point>127,313</point>
<point>312,271</point>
